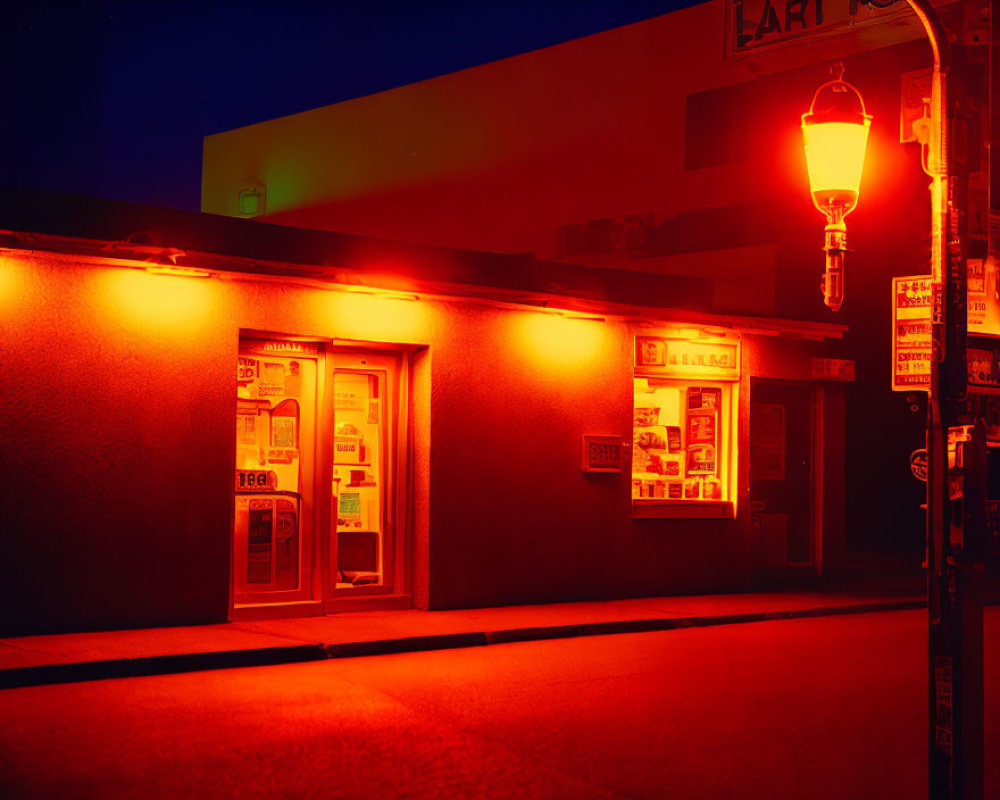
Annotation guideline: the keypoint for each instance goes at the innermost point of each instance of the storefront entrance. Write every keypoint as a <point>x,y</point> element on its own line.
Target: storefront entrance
<point>782,496</point>
<point>318,475</point>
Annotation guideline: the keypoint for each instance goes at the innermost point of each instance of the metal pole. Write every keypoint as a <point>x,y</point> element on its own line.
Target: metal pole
<point>955,507</point>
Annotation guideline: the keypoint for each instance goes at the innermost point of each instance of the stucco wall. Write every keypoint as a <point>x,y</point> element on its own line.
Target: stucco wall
<point>118,455</point>
<point>119,394</point>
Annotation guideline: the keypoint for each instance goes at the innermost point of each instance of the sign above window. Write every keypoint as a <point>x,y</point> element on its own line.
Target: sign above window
<point>687,358</point>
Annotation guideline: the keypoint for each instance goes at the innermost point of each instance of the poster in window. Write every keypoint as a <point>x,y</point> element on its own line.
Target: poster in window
<point>694,397</point>
<point>285,424</point>
<point>283,432</point>
<point>710,398</point>
<point>293,380</point>
<point>674,438</point>
<point>701,460</point>
<point>701,428</point>
<point>260,534</point>
<point>246,429</point>
<point>645,417</point>
<point>272,382</point>
<point>345,400</point>
<point>247,370</point>
<point>650,352</point>
<point>651,439</point>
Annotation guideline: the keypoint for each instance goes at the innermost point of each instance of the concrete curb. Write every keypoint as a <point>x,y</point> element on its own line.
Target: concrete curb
<point>75,672</point>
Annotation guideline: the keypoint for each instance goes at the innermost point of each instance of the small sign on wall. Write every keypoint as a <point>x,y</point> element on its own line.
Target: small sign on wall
<point>602,453</point>
<point>832,369</point>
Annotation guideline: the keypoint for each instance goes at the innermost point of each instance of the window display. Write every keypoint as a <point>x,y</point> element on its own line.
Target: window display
<point>684,422</point>
<point>680,440</point>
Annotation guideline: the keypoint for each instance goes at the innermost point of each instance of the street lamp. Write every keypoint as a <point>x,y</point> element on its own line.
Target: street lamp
<point>835,134</point>
<point>956,520</point>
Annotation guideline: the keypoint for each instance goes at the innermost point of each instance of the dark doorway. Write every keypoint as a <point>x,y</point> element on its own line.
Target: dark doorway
<point>782,477</point>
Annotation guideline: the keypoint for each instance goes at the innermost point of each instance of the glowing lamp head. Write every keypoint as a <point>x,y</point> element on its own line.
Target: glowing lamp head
<point>835,133</point>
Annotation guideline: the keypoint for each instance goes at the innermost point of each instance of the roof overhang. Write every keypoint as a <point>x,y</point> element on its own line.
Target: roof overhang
<point>123,234</point>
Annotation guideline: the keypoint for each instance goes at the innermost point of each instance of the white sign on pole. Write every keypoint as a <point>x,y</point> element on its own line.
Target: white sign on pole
<point>911,333</point>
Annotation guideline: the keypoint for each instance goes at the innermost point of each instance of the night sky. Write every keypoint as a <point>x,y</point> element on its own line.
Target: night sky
<point>112,98</point>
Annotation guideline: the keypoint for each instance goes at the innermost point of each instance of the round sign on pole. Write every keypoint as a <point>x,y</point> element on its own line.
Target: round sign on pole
<point>918,464</point>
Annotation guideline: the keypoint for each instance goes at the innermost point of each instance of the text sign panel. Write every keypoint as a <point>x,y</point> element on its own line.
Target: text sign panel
<point>911,333</point>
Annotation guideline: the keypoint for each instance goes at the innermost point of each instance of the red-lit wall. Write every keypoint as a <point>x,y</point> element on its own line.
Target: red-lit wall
<point>501,155</point>
<point>119,395</point>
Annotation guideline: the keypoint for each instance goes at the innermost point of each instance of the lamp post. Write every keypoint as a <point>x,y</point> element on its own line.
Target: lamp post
<point>835,131</point>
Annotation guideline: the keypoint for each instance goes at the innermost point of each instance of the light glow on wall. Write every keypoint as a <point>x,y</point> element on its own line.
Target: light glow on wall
<point>11,280</point>
<point>557,340</point>
<point>378,317</point>
<point>158,300</point>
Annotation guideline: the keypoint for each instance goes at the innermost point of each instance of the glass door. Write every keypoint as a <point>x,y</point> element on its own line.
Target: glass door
<point>275,436</point>
<point>363,545</point>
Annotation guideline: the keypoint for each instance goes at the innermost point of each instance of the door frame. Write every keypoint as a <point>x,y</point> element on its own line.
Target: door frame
<point>814,566</point>
<point>323,600</point>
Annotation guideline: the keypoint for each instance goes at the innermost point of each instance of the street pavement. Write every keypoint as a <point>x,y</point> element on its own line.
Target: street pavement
<point>824,707</point>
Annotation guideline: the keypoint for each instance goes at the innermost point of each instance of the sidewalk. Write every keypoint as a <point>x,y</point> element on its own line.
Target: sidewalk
<point>62,658</point>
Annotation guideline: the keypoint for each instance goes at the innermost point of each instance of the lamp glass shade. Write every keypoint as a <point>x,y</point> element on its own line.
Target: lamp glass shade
<point>835,155</point>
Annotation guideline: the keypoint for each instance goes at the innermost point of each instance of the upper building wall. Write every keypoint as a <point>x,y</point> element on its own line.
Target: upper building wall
<point>505,155</point>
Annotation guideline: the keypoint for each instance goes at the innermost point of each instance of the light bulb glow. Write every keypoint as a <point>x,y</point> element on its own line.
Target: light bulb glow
<point>835,156</point>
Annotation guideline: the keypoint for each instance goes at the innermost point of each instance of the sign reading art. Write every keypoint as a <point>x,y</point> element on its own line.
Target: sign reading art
<point>758,24</point>
<point>911,333</point>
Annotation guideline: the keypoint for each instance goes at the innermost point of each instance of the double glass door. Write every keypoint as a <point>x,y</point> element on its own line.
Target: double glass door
<point>316,473</point>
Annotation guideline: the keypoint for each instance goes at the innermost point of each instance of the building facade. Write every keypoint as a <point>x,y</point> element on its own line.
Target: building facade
<point>212,419</point>
<point>670,146</point>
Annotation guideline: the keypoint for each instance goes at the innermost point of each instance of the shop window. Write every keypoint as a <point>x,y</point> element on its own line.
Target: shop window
<point>683,427</point>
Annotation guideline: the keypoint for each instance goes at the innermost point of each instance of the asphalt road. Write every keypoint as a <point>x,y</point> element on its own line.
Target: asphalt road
<point>817,708</point>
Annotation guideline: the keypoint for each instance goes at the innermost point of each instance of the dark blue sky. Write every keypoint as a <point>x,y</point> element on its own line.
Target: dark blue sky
<point>112,98</point>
